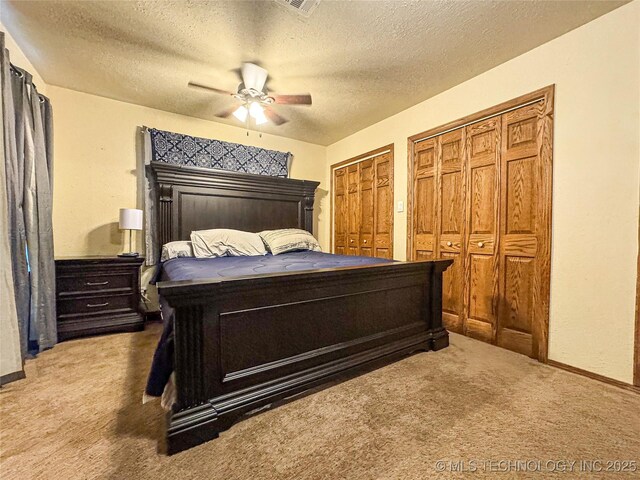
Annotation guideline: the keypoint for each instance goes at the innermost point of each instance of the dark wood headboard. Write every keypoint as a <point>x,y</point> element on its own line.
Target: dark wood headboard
<point>191,198</point>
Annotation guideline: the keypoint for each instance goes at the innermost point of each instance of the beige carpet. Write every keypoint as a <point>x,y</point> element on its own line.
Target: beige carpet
<point>78,415</point>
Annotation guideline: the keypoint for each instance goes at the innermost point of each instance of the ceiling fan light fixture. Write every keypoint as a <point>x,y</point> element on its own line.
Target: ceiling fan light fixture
<point>261,118</point>
<point>257,113</point>
<point>241,113</point>
<point>255,109</point>
<point>253,96</point>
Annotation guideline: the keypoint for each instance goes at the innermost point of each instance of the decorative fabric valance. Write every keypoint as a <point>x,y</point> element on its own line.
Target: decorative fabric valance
<point>179,149</point>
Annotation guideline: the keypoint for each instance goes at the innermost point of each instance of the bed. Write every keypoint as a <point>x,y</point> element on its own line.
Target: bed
<point>260,333</point>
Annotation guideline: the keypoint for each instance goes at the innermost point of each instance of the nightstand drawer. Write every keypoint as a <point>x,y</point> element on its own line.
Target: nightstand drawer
<point>88,283</point>
<point>95,304</point>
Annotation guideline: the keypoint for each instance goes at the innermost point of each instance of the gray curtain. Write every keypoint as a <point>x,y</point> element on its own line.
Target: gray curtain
<point>29,187</point>
<point>15,187</point>
<point>10,354</point>
<point>38,221</point>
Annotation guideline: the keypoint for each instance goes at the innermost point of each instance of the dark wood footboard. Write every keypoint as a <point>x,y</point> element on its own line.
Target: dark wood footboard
<point>244,343</point>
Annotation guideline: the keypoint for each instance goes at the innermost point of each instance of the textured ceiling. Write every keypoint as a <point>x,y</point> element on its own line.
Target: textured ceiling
<point>361,61</point>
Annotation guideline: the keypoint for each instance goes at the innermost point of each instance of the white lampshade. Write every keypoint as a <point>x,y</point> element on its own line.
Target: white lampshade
<point>130,219</point>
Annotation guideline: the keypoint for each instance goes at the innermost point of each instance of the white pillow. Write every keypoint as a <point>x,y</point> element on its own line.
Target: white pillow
<point>288,240</point>
<point>222,242</point>
<point>178,249</point>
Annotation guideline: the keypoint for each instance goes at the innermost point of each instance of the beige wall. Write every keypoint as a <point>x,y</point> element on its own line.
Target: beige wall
<point>95,144</point>
<point>596,176</point>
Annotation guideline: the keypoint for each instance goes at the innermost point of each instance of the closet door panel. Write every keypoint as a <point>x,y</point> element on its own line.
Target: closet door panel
<point>353,198</point>
<point>451,196</point>
<point>483,191</point>
<point>383,201</point>
<point>481,265</point>
<point>521,173</point>
<point>425,215</point>
<point>452,288</point>
<point>340,211</point>
<point>516,311</point>
<point>481,314</point>
<point>424,207</point>
<point>366,208</point>
<point>520,212</point>
<point>452,205</point>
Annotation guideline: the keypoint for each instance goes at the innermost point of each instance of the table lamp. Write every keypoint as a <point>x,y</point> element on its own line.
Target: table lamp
<point>130,219</point>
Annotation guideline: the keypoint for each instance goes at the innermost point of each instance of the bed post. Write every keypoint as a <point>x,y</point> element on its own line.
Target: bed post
<point>165,201</point>
<point>193,420</point>
<point>308,211</point>
<point>439,335</point>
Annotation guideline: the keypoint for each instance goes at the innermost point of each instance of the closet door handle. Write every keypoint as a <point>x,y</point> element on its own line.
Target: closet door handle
<point>481,244</point>
<point>94,284</point>
<point>97,305</point>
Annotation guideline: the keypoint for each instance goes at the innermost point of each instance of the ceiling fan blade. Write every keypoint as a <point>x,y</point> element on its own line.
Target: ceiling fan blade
<point>302,99</point>
<point>254,76</point>
<point>227,113</point>
<point>209,89</point>
<point>274,117</point>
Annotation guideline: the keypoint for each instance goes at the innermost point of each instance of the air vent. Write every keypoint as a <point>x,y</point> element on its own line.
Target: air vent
<point>302,7</point>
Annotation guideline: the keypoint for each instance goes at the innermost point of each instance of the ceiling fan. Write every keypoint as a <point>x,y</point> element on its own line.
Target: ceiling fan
<point>256,100</point>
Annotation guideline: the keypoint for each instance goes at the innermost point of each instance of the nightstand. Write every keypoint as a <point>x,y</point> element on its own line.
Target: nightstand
<point>98,295</point>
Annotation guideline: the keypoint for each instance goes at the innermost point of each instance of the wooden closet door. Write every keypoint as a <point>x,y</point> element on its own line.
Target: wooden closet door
<point>451,206</point>
<point>525,211</point>
<point>481,243</point>
<point>424,199</point>
<point>340,211</point>
<point>383,201</point>
<point>366,207</point>
<point>363,205</point>
<point>353,209</point>
<point>495,224</point>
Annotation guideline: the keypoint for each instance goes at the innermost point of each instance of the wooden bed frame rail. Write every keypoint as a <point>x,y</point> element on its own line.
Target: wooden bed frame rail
<point>244,343</point>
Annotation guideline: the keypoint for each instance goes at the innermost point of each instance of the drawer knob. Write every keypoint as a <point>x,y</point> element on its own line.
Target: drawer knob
<point>365,241</point>
<point>94,284</point>
<point>97,305</point>
<point>449,244</point>
<point>481,244</point>
<point>351,240</point>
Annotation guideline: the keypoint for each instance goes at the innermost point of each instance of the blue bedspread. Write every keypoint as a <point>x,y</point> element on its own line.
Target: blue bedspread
<point>231,267</point>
